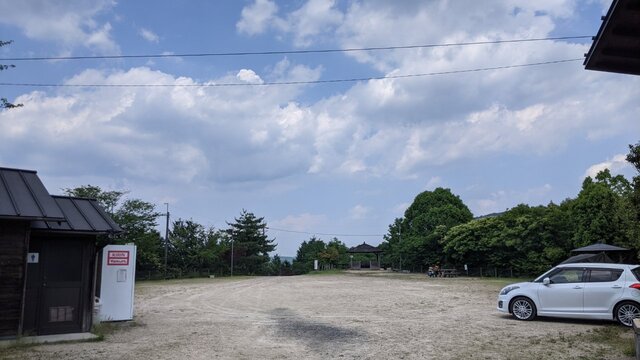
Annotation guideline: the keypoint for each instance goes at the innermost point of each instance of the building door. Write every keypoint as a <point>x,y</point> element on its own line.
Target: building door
<point>57,286</point>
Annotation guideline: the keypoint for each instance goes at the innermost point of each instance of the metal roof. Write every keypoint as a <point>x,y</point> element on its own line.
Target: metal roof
<point>364,248</point>
<point>81,215</point>
<point>616,47</point>
<point>598,248</point>
<point>24,197</point>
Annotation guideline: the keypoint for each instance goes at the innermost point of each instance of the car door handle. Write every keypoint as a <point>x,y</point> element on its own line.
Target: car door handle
<point>616,287</point>
<point>577,287</point>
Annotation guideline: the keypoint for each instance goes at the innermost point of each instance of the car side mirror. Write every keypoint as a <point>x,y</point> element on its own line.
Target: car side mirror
<point>546,281</point>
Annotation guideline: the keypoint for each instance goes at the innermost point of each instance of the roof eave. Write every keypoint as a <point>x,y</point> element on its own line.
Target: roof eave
<point>615,47</point>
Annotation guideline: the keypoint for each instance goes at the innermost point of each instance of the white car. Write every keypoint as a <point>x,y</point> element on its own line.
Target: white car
<point>581,291</point>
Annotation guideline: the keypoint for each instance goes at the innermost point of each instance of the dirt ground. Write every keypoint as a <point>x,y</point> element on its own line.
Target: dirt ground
<point>348,316</point>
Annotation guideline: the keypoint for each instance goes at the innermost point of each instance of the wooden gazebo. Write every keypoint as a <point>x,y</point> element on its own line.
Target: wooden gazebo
<point>365,248</point>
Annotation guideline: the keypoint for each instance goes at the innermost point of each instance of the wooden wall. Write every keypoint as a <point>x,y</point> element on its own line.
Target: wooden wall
<point>13,248</point>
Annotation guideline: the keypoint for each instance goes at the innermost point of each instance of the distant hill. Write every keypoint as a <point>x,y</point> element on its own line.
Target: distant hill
<point>489,215</point>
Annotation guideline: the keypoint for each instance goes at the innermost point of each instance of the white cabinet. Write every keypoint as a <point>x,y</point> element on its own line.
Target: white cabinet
<point>117,282</point>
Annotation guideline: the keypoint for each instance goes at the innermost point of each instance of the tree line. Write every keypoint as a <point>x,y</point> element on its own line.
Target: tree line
<point>191,248</point>
<point>438,228</point>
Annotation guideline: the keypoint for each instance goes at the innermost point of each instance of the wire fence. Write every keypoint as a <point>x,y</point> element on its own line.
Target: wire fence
<point>488,271</point>
<point>495,272</point>
<point>177,274</point>
<point>484,272</point>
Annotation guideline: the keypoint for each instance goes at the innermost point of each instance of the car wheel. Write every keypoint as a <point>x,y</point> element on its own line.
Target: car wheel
<point>627,311</point>
<point>523,308</point>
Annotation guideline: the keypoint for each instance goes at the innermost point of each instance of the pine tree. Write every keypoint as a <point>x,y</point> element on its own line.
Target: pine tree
<point>251,244</point>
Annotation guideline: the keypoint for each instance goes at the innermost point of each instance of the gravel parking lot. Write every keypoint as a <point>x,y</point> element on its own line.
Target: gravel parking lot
<point>354,315</point>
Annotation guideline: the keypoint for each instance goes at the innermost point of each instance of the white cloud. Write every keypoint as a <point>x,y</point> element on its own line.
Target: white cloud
<point>257,17</point>
<point>249,76</point>
<point>306,25</point>
<point>398,128</point>
<point>399,209</point>
<point>437,121</point>
<point>615,165</point>
<point>71,23</point>
<point>313,19</point>
<point>359,212</point>
<point>302,222</point>
<point>434,182</point>
<point>178,134</point>
<point>500,200</point>
<point>149,35</point>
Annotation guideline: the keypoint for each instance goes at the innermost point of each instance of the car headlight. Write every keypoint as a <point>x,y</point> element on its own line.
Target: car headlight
<point>508,289</point>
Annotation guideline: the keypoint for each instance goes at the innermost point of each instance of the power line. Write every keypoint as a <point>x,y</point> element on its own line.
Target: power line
<point>302,82</point>
<point>288,52</point>
<point>323,234</point>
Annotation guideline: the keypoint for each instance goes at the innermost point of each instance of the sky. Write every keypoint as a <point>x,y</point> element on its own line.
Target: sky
<point>329,159</point>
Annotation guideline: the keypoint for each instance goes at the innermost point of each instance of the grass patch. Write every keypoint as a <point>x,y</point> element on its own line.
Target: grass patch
<point>103,329</point>
<point>609,341</point>
<point>617,337</point>
<point>326,272</point>
<point>501,282</point>
<point>18,345</point>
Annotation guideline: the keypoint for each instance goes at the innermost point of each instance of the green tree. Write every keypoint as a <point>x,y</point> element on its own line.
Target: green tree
<point>525,239</point>
<point>633,200</point>
<point>194,248</point>
<point>276,264</point>
<point>137,219</point>
<point>329,256</point>
<point>287,268</point>
<point>556,234</point>
<point>415,240</point>
<point>596,212</point>
<point>251,244</point>
<point>308,252</point>
<point>391,245</point>
<point>339,258</point>
<point>4,103</point>
<point>473,243</point>
<point>109,200</point>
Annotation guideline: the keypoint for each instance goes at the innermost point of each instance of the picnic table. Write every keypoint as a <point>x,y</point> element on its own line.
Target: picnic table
<point>448,272</point>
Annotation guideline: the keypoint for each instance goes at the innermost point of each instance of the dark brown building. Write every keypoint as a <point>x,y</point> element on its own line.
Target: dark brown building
<point>47,257</point>
<point>616,47</point>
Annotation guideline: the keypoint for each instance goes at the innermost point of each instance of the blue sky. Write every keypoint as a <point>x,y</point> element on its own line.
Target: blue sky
<point>343,158</point>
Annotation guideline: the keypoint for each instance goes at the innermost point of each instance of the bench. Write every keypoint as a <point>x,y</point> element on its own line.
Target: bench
<point>448,272</point>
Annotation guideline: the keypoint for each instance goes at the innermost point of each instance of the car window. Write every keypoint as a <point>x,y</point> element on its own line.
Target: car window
<point>604,275</point>
<point>553,271</point>
<point>567,276</point>
<point>636,273</point>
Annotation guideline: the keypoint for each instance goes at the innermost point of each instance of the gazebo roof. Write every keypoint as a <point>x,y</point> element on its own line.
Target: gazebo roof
<point>364,248</point>
<point>588,258</point>
<point>598,248</point>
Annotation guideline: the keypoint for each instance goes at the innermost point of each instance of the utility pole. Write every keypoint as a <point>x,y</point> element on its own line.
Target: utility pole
<point>230,233</point>
<point>166,240</point>
<point>400,241</point>
<point>232,256</point>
